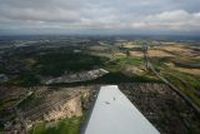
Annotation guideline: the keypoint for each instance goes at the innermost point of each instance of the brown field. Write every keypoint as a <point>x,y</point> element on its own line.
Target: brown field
<point>130,45</point>
<point>159,53</point>
<point>193,71</point>
<point>133,70</point>
<point>136,53</point>
<point>180,50</point>
<point>119,54</point>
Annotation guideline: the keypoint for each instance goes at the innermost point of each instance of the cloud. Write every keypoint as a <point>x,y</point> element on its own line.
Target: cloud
<point>178,20</point>
<point>103,15</point>
<point>28,14</point>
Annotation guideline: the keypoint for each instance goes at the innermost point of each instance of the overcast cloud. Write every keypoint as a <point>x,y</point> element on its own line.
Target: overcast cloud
<point>100,16</point>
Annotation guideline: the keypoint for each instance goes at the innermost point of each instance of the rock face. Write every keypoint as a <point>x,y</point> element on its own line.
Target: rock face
<point>78,77</point>
<point>45,104</point>
<point>53,104</point>
<point>71,108</point>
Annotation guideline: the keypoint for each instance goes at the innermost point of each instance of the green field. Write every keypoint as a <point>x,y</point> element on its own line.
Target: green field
<point>65,126</point>
<point>189,84</point>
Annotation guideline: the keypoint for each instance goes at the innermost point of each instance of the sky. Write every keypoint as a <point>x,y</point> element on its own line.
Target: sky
<point>100,17</point>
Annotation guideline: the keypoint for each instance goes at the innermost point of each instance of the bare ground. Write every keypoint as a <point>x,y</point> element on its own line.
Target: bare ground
<point>163,108</point>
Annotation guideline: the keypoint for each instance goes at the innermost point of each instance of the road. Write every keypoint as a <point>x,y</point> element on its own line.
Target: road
<point>173,87</point>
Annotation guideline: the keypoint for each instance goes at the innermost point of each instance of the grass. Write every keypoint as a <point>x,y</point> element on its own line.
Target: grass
<point>65,126</point>
<point>187,83</point>
<point>118,64</point>
<point>116,69</point>
<point>130,61</point>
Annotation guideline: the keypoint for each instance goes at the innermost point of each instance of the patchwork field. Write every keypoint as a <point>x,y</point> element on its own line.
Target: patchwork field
<point>50,87</point>
<point>182,69</point>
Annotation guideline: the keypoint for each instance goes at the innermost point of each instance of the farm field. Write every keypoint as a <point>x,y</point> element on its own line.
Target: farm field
<point>49,87</point>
